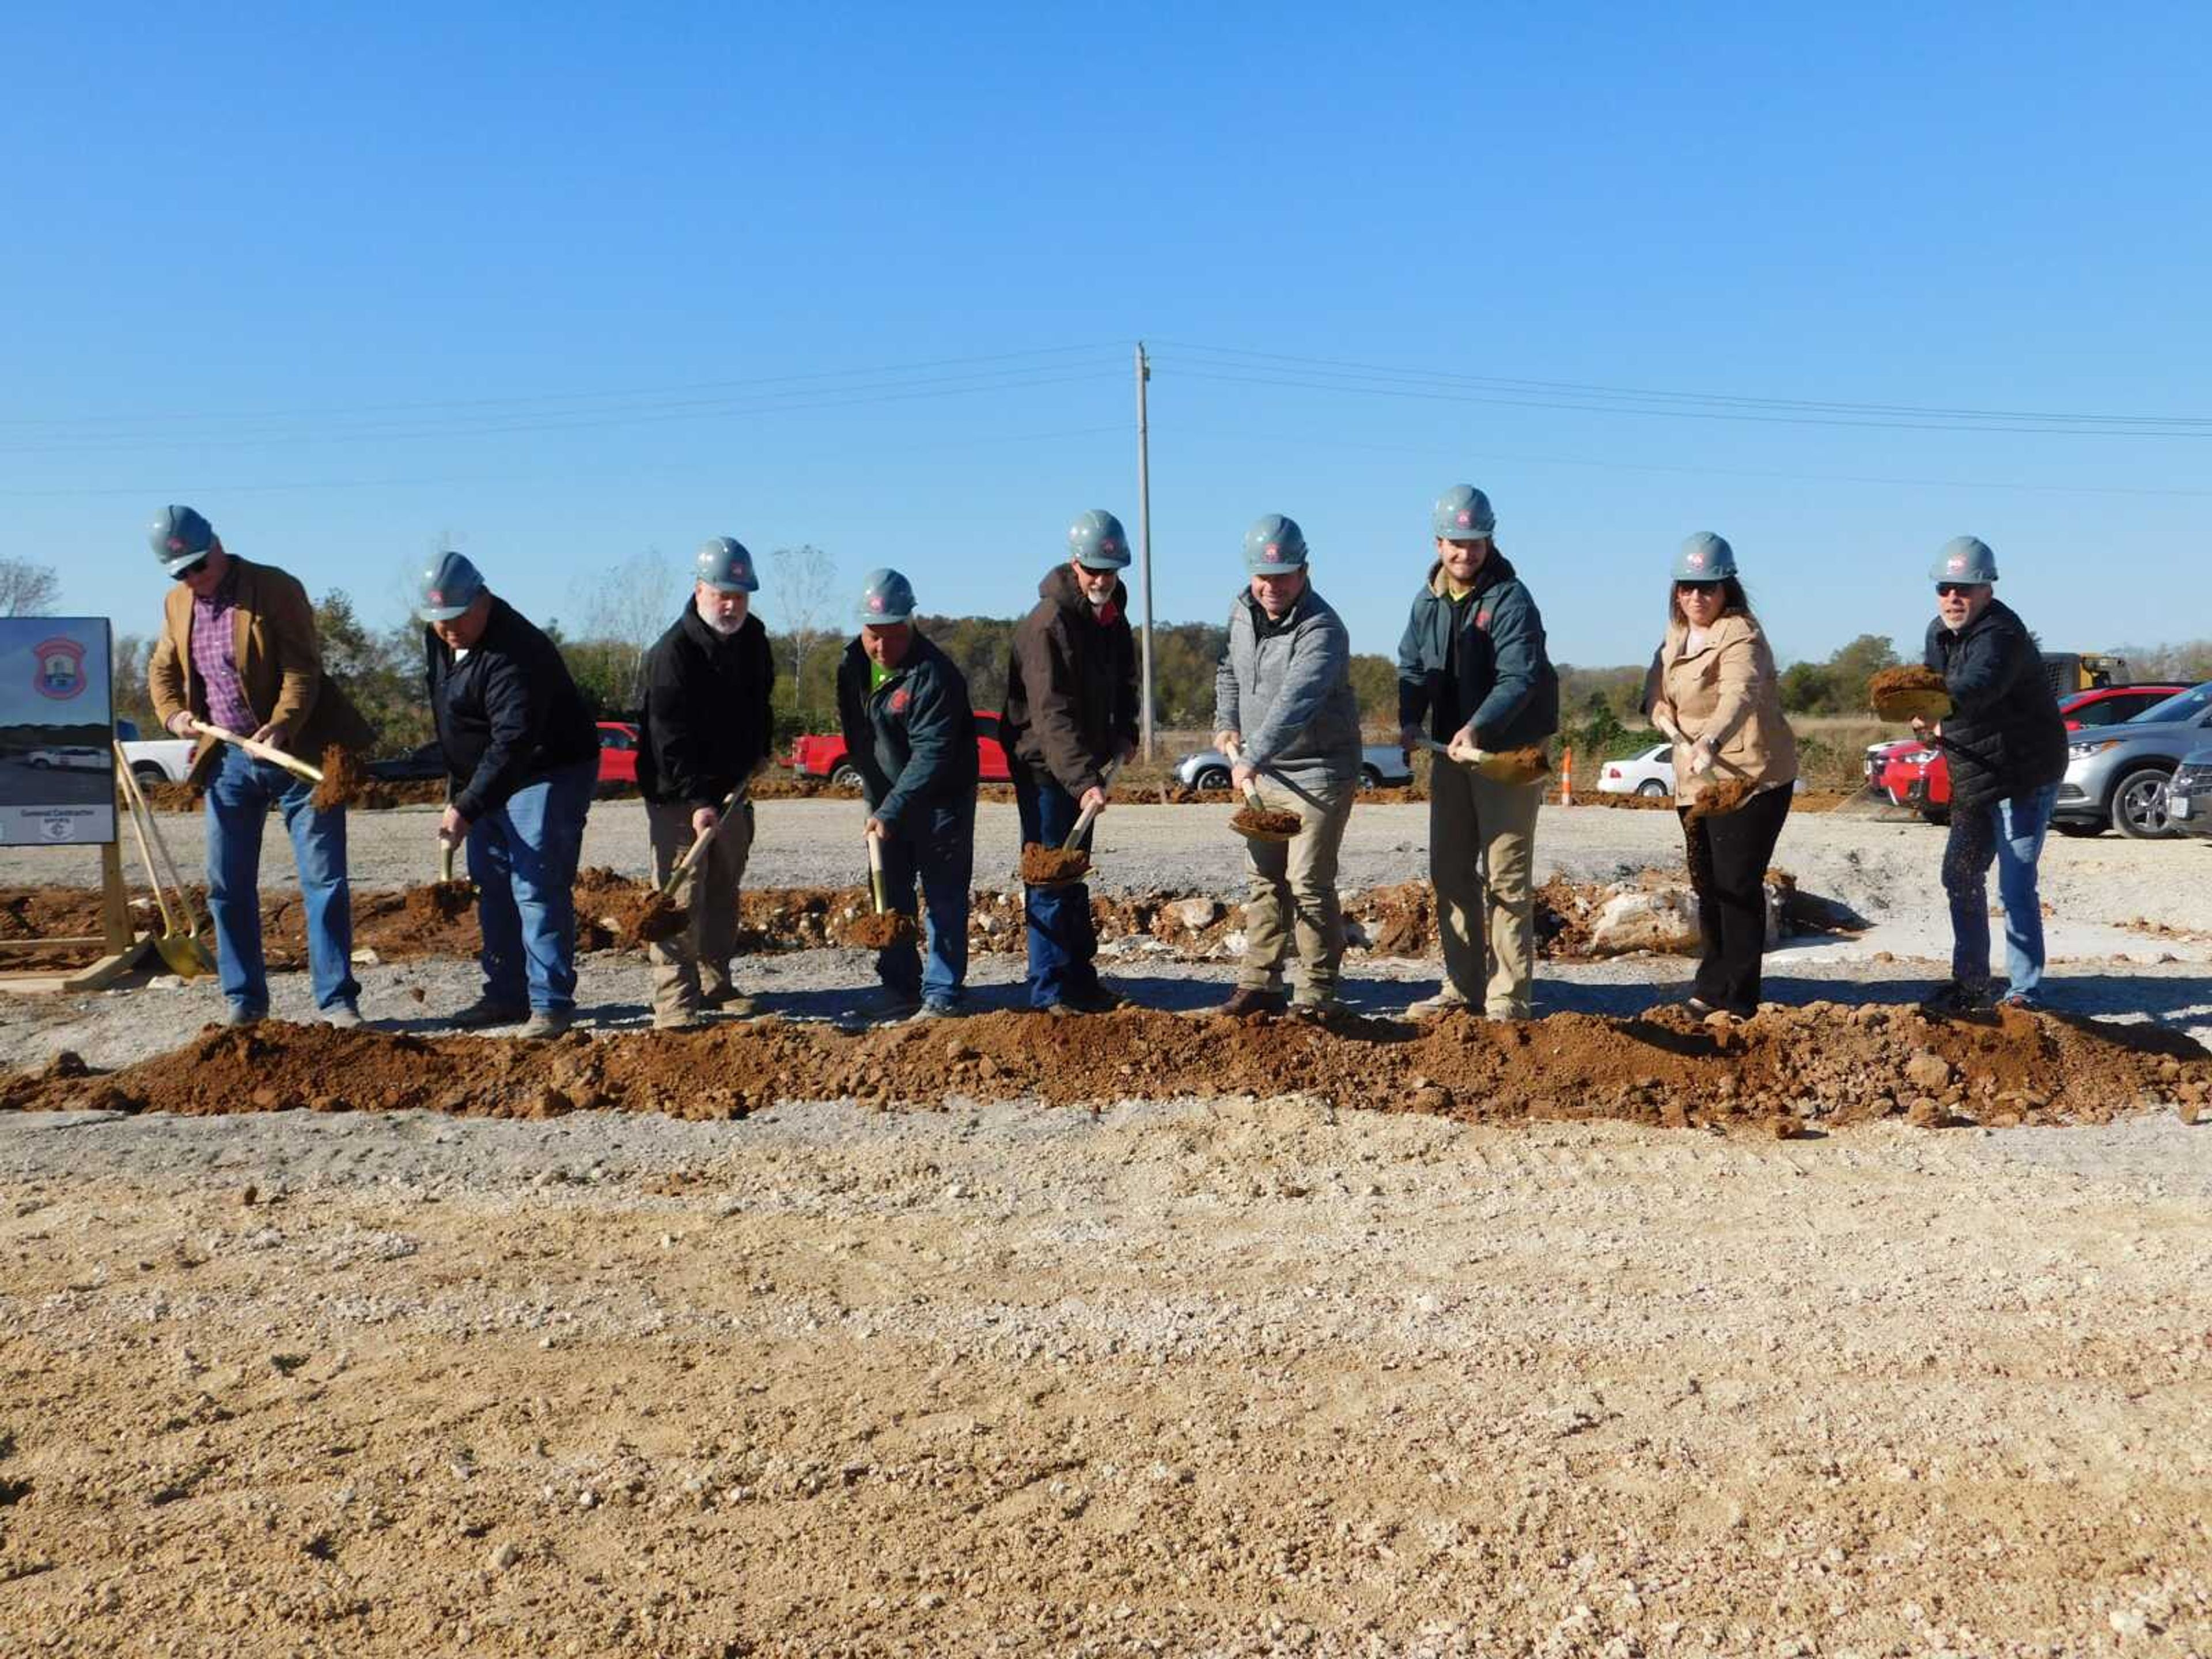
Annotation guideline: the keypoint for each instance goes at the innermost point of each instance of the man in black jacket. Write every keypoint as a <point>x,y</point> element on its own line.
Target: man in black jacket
<point>1473,664</point>
<point>2006,742</point>
<point>1071,712</point>
<point>522,757</point>
<point>911,735</point>
<point>707,728</point>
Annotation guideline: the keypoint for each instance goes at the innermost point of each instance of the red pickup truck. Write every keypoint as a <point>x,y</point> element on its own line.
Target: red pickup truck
<point>823,755</point>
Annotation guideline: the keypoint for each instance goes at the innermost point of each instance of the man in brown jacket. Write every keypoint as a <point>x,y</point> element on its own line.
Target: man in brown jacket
<point>238,651</point>
<point>1071,714</point>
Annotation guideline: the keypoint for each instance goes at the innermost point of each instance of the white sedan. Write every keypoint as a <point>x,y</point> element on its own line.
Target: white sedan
<point>1647,772</point>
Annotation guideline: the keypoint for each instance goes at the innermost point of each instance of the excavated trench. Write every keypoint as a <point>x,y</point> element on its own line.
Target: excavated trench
<point>1786,1071</point>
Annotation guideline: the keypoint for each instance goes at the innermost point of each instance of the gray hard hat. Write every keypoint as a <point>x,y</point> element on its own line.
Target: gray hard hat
<point>1274,543</point>
<point>885,596</point>
<point>725,566</point>
<point>180,537</point>
<point>1097,542</point>
<point>1965,559</point>
<point>1704,557</point>
<point>1462,514</point>
<point>447,588</point>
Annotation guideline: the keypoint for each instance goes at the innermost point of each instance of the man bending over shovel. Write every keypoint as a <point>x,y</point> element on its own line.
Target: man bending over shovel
<point>1286,714</point>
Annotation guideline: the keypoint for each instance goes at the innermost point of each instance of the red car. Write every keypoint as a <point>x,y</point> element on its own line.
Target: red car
<point>618,754</point>
<point>824,755</point>
<point>1915,775</point>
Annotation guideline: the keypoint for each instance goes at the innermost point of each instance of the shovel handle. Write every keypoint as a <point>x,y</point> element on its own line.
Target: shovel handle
<point>133,805</point>
<point>1236,751</point>
<point>161,846</point>
<point>699,844</point>
<point>260,750</point>
<point>876,872</point>
<point>1089,815</point>
<point>445,851</point>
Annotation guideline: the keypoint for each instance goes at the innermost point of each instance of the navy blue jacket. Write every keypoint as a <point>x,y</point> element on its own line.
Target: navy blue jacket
<point>508,713</point>
<point>2004,734</point>
<point>1504,680</point>
<point>913,739</point>
<point>707,725</point>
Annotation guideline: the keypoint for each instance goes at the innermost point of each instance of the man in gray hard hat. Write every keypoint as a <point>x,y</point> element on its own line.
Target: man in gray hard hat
<point>909,733</point>
<point>2006,742</point>
<point>1285,713</point>
<point>238,650</point>
<point>1071,714</point>
<point>707,728</point>
<point>522,759</point>
<point>1472,666</point>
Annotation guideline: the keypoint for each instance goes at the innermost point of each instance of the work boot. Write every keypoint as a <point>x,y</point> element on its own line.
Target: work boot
<point>484,1012</point>
<point>1316,1010</point>
<point>936,1008</point>
<point>726,999</point>
<point>1955,996</point>
<point>1247,1000</point>
<point>546,1023</point>
<point>678,1019</point>
<point>888,1007</point>
<point>239,1014</point>
<point>342,1016</point>
<point>1446,1001</point>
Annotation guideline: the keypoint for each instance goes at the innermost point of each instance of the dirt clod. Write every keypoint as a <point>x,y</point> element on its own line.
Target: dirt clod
<point>1711,797</point>
<point>1263,825</point>
<point>1909,693</point>
<point>880,933</point>
<point>652,916</point>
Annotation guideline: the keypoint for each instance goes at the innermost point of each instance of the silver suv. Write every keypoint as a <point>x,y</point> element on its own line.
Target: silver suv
<point>1381,766</point>
<point>2117,776</point>
<point>2189,795</point>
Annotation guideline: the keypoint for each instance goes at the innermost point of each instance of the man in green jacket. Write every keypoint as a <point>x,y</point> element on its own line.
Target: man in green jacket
<point>1474,667</point>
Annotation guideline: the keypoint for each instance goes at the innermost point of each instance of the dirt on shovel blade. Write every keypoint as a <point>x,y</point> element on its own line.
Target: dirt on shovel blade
<point>441,903</point>
<point>1711,797</point>
<point>1911,693</point>
<point>1517,765</point>
<point>343,779</point>
<point>878,933</point>
<point>651,917</point>
<point>1265,825</point>
<point>1043,865</point>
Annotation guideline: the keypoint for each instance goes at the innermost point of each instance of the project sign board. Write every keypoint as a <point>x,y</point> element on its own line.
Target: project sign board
<point>57,731</point>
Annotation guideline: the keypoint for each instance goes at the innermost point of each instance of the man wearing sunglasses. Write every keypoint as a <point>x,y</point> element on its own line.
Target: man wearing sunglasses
<point>2006,742</point>
<point>238,650</point>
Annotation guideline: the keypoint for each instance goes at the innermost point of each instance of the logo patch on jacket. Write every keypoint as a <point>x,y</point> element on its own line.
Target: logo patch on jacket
<point>1482,620</point>
<point>899,698</point>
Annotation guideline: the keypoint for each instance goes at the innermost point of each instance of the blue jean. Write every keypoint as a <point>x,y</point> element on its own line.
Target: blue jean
<point>937,846</point>
<point>1063,942</point>
<point>239,796</point>
<point>522,857</point>
<point>2009,833</point>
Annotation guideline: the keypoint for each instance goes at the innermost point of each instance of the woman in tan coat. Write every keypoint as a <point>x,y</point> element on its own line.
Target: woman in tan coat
<point>1713,690</point>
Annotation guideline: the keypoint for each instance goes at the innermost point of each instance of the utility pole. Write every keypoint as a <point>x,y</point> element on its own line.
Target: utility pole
<point>1143,556</point>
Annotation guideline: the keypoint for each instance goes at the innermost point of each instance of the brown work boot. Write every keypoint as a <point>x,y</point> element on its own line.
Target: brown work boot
<point>1247,1000</point>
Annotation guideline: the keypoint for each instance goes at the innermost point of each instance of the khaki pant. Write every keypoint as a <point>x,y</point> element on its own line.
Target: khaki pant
<point>1482,848</point>
<point>1293,891</point>
<point>691,969</point>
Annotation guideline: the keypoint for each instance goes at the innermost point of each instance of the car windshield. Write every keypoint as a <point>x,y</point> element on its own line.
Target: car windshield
<point>2181,706</point>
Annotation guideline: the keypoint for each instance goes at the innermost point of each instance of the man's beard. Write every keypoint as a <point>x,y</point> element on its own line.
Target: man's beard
<point>725,626</point>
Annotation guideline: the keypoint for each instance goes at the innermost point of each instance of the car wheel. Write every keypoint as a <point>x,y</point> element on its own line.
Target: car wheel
<point>148,772</point>
<point>1651,787</point>
<point>1370,777</point>
<point>2076,827</point>
<point>2139,805</point>
<point>39,762</point>
<point>1213,777</point>
<point>844,777</point>
<point>1935,815</point>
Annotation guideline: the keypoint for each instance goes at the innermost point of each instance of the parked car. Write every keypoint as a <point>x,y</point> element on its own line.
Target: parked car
<point>1648,772</point>
<point>823,755</point>
<point>1382,765</point>
<point>1916,775</point>
<point>2189,794</point>
<point>155,759</point>
<point>618,754</point>
<point>2116,777</point>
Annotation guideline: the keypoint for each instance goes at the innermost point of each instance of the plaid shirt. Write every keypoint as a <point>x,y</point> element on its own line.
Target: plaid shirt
<point>215,646</point>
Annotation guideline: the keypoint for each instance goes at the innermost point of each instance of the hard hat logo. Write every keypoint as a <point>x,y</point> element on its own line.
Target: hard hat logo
<point>1695,558</point>
<point>437,596</point>
<point>1467,518</point>
<point>1958,562</point>
<point>875,601</point>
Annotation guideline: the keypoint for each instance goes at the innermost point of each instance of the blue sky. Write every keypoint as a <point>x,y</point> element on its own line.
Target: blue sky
<point>561,285</point>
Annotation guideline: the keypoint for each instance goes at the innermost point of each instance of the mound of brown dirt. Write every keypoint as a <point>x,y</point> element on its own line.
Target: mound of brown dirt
<point>1816,1065</point>
<point>1042,865</point>
<point>880,931</point>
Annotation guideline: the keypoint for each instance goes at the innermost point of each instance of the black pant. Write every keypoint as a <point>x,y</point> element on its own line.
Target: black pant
<point>1728,853</point>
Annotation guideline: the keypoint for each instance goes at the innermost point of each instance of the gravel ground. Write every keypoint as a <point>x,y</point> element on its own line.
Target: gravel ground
<point>1244,1377</point>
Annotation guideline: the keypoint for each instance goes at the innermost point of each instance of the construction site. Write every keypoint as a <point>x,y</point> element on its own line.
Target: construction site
<point>1844,1329</point>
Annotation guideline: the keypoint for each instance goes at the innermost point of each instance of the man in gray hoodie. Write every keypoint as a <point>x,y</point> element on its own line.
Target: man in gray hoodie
<point>1285,715</point>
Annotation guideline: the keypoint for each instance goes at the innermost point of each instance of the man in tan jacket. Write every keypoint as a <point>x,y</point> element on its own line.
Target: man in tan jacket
<point>238,651</point>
